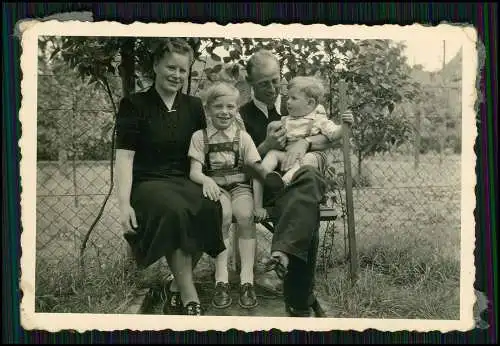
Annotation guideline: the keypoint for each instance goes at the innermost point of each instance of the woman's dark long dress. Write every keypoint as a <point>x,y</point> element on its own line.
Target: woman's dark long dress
<point>170,209</point>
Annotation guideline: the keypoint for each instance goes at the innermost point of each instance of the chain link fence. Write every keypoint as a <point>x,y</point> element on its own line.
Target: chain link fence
<point>401,194</point>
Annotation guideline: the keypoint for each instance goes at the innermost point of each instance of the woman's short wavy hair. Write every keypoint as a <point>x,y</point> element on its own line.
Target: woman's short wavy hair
<point>173,45</point>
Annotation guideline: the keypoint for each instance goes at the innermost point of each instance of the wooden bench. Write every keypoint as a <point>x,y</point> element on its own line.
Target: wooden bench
<point>325,214</point>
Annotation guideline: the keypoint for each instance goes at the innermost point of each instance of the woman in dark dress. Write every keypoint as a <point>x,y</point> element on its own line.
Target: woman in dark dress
<point>163,212</point>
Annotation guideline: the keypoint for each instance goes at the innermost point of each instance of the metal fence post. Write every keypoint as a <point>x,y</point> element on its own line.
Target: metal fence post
<point>73,139</point>
<point>418,130</point>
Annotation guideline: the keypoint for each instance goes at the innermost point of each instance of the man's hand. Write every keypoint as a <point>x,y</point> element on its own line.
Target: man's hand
<point>275,138</point>
<point>347,117</point>
<point>294,152</point>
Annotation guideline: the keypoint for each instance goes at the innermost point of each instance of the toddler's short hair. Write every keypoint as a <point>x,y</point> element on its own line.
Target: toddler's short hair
<point>220,89</point>
<point>311,86</point>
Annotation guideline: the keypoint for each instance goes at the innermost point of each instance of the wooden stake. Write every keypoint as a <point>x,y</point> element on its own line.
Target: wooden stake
<point>353,253</point>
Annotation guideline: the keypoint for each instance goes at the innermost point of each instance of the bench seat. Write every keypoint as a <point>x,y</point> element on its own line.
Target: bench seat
<point>326,214</point>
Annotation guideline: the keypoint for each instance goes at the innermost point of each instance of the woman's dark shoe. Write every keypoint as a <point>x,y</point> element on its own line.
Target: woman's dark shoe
<point>172,301</point>
<point>248,298</point>
<point>173,304</point>
<point>193,309</point>
<point>222,299</point>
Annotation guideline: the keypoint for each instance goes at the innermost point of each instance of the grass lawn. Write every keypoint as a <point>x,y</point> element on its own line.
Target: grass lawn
<point>407,228</point>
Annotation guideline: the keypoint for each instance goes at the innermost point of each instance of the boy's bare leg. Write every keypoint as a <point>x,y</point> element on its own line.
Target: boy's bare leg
<point>222,298</point>
<point>264,171</point>
<point>221,261</point>
<point>243,212</point>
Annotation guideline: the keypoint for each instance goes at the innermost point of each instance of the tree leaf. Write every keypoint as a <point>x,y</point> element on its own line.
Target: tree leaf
<point>235,72</point>
<point>235,55</point>
<point>215,57</point>
<point>237,46</point>
<point>54,53</point>
<point>216,68</point>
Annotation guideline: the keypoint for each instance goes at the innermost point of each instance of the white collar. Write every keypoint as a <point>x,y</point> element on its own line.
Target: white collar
<point>263,107</point>
<point>230,132</point>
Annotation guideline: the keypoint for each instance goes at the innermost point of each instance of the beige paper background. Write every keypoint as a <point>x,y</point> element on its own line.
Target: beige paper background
<point>30,30</point>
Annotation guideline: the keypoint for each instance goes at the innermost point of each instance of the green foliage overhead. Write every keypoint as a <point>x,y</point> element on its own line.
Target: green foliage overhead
<point>376,72</point>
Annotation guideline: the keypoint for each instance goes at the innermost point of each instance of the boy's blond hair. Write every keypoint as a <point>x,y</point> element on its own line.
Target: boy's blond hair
<point>220,89</point>
<point>310,86</point>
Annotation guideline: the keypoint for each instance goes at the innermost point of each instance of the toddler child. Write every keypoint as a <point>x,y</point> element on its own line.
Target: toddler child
<point>306,117</point>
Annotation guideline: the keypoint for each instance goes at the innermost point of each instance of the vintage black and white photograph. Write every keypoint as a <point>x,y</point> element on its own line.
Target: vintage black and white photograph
<point>290,177</point>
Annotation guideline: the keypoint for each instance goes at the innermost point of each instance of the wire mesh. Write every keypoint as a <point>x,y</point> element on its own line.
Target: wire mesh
<point>406,190</point>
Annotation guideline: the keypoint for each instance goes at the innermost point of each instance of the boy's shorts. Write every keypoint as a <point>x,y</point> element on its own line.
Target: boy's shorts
<point>238,190</point>
<point>238,199</point>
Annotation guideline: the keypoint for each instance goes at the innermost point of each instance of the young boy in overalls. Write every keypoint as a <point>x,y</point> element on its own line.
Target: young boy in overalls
<point>218,156</point>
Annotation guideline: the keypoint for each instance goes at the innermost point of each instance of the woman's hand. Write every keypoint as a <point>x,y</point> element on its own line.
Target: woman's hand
<point>211,190</point>
<point>128,219</point>
<point>260,214</point>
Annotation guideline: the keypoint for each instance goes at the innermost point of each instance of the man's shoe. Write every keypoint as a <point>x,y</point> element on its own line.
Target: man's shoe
<point>222,299</point>
<point>293,312</point>
<point>318,309</point>
<point>248,298</point>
